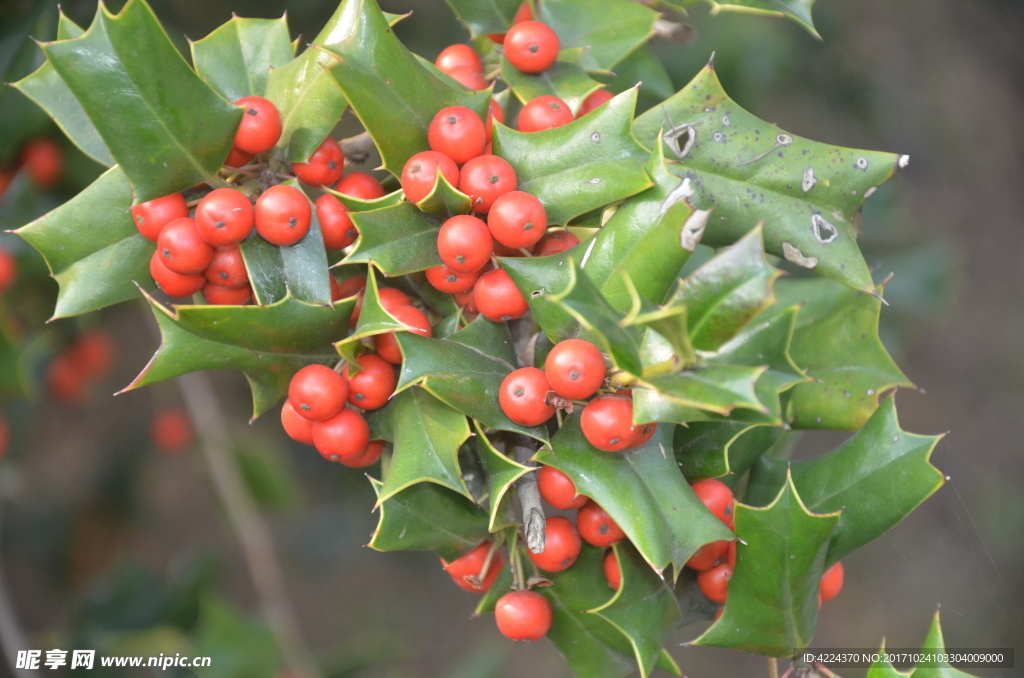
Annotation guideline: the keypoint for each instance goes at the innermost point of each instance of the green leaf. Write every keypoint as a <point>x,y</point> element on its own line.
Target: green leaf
<point>268,476</point>
<point>19,57</point>
<point>797,10</point>
<point>465,371</point>
<point>934,642</point>
<point>564,79</point>
<point>502,474</point>
<point>644,67</point>
<point>536,278</point>
<point>578,167</point>
<point>642,490</point>
<point>238,647</point>
<point>481,17</point>
<point>501,586</point>
<point>713,449</point>
<point>445,201</point>
<point>124,90</point>
<point>750,171</point>
<point>268,343</point>
<point>236,58</point>
<point>359,205</point>
<point>399,239</point>
<point>373,320</point>
<point>92,247</point>
<point>718,389</point>
<point>610,30</point>
<point>391,93</point>
<point>309,99</point>
<point>428,517</point>
<point>773,593</point>
<point>882,668</point>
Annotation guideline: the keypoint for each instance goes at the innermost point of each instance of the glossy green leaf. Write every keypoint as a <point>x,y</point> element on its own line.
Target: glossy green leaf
<point>481,17</point>
<point>797,10</point>
<point>642,489</point>
<point>19,57</point>
<point>713,449</point>
<point>124,90</point>
<point>808,194</point>
<point>719,389</point>
<point>92,247</point>
<point>236,58</point>
<point>610,30</point>
<point>934,642</point>
<point>578,167</point>
<point>773,593</point>
<point>564,79</point>
<point>391,93</point>
<point>399,239</point>
<point>502,474</point>
<point>428,517</point>
<point>536,278</point>
<point>358,205</point>
<point>373,320</point>
<point>445,201</point>
<point>883,668</point>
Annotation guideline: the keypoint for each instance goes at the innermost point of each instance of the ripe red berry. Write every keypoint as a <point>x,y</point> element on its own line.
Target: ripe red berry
<point>317,392</point>
<point>611,570</point>
<point>370,387</point>
<point>708,556</point>
<point>420,174</point>
<point>642,433</point>
<point>498,298</point>
<point>524,13</point>
<point>43,159</point>
<point>575,369</point>
<point>484,179</point>
<point>343,437</point>
<point>607,422</point>
<point>457,55</point>
<point>558,489</point>
<point>260,127</point>
<point>65,380</point>
<point>596,527</point>
<point>562,545</point>
<point>324,167</point>
<point>717,497</point>
<point>469,77</point>
<point>466,303</point>
<point>182,249</point>
<point>544,112</point>
<point>237,158</point>
<point>555,242</point>
<point>531,46</point>
<point>171,430</point>
<point>174,284</point>
<point>517,220</point>
<point>350,287</point>
<point>457,132</point>
<point>224,217</point>
<point>714,583</point>
<point>448,281</point>
<point>335,223</point>
<point>387,346</point>
<point>523,615</point>
<point>227,269</point>
<point>360,185</point>
<point>601,96</point>
<point>464,243</point>
<point>494,112</point>
<point>831,582</point>
<point>8,270</point>
<point>521,397</point>
<point>368,456</point>
<point>282,215</point>
<point>150,217</point>
<point>468,570</point>
<point>227,296</point>
<point>295,425</point>
<point>94,352</point>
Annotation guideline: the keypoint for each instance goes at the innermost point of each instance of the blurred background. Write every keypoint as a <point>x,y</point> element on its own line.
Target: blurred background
<point>111,534</point>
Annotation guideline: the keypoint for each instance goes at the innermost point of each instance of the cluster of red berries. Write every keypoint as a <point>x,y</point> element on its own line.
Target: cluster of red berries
<point>42,159</point>
<point>73,371</point>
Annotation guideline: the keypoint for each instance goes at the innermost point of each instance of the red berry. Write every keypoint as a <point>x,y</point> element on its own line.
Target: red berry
<point>387,346</point>
<point>457,132</point>
<point>227,296</point>
<point>466,303</point>
<point>543,113</point>
<point>642,433</point>
<point>370,387</point>
<point>558,489</point>
<point>717,496</point>
<point>523,615</point>
<point>714,583</point>
<point>389,298</point>
<point>360,185</point>
<point>150,217</point>
<point>94,352</point>
<point>469,77</point>
<point>237,158</point>
<point>601,96</point>
<point>343,437</point>
<point>498,298</point>
<point>464,243</point>
<point>531,46</point>
<point>352,287</point>
<point>448,281</point>
<point>335,224</point>
<point>575,369</point>
<point>562,545</point>
<point>224,217</point>
<point>260,127</point>
<point>8,270</point>
<point>282,215</point>
<point>182,249</point>
<point>227,269</point>
<point>494,112</point>
<point>368,456</point>
<point>596,526</point>
<point>484,179</point>
<point>831,582</point>
<point>420,174</point>
<point>466,570</point>
<point>65,380</point>
<point>607,422</point>
<point>174,284</point>
<point>555,242</point>
<point>611,570</point>
<point>524,13</point>
<point>295,425</point>
<point>522,397</point>
<point>731,555</point>
<point>708,556</point>
<point>324,167</point>
<point>172,430</point>
<point>43,159</point>
<point>457,55</point>
<point>517,219</point>
<point>317,392</point>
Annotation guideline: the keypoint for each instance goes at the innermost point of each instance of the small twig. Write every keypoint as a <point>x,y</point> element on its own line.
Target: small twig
<point>773,667</point>
<point>516,563</point>
<point>529,494</point>
<point>357,149</point>
<point>477,580</point>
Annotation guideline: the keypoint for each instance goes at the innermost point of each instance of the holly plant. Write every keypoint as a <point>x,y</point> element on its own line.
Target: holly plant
<point>572,343</point>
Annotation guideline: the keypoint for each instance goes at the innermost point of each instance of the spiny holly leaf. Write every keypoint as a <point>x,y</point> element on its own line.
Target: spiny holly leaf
<point>428,517</point>
<point>642,490</point>
<point>502,474</point>
<point>843,353</point>
<point>465,371</point>
<point>576,168</point>
<point>399,239</point>
<point>536,277</point>
<point>373,320</point>
<point>564,79</point>
<point>445,201</point>
<point>427,435</point>
<point>773,593</point>
<point>934,643</point>
<point>236,59</point>
<point>92,247</point>
<point>19,57</point>
<point>392,94</point>
<point>481,17</point>
<point>882,668</point>
<point>718,389</point>
<point>124,90</point>
<point>610,30</point>
<point>360,205</point>
<point>268,343</point>
<point>881,466</point>
<point>797,10</point>
<point>713,449</point>
<point>808,194</point>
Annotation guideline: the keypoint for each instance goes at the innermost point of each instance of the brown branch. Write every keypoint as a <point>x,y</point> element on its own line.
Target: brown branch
<point>529,495</point>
